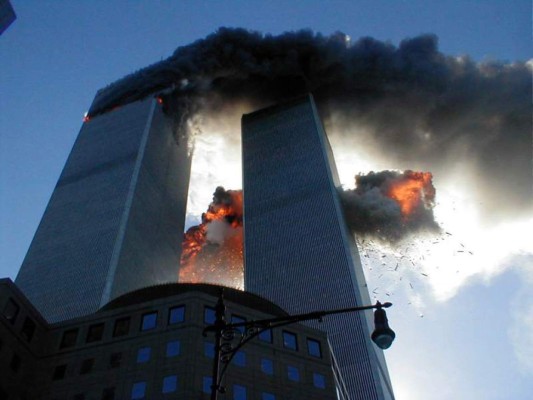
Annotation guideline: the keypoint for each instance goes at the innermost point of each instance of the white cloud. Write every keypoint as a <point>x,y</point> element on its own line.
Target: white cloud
<point>521,330</point>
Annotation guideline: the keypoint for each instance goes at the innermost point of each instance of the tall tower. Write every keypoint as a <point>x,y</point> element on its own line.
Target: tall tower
<point>115,220</point>
<point>298,251</point>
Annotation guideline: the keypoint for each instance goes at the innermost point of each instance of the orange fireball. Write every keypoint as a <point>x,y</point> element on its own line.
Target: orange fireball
<point>411,191</point>
<point>217,260</point>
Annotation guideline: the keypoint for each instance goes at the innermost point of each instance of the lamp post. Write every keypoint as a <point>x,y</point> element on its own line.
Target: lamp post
<point>225,334</point>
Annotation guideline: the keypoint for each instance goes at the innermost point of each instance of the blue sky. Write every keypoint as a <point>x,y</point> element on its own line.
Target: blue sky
<point>57,54</point>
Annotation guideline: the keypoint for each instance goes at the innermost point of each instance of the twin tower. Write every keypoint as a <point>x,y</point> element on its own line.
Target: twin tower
<point>115,224</point>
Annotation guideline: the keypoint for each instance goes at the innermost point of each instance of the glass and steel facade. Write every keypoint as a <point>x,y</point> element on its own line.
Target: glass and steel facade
<point>115,220</point>
<point>298,251</point>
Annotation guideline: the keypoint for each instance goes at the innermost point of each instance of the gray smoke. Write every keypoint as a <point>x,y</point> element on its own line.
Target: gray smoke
<point>424,109</point>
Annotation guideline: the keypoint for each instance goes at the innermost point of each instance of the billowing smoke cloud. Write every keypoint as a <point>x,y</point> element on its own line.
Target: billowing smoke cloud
<point>390,205</point>
<point>421,108</point>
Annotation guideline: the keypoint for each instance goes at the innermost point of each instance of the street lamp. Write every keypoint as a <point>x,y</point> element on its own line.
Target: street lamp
<point>225,334</point>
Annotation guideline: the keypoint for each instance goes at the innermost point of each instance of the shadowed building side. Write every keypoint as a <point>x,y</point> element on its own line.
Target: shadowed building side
<point>115,219</point>
<point>297,249</point>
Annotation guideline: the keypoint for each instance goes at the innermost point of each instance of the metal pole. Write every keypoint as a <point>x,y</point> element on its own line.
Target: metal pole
<point>220,323</point>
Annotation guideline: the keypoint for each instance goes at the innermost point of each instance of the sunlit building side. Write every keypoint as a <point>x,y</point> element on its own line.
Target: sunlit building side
<point>116,216</point>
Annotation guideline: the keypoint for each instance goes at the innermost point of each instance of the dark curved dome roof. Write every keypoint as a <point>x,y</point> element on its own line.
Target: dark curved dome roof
<point>150,293</point>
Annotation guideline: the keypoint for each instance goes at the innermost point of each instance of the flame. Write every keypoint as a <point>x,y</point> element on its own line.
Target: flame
<point>412,191</point>
<point>212,252</point>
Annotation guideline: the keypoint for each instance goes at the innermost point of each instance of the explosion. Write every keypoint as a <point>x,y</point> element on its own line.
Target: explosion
<point>212,251</point>
<point>390,205</point>
<point>411,191</point>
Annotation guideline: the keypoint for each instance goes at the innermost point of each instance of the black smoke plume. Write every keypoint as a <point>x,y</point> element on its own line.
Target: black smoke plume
<point>421,108</point>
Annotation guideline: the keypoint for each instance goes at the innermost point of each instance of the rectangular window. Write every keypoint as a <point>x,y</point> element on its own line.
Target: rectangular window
<point>239,392</point>
<point>239,359</point>
<point>290,341</point>
<point>95,333</point>
<point>235,319</point>
<point>11,311</point>
<point>176,315</point>
<point>267,396</point>
<point>149,321</point>
<point>267,366</point>
<point>59,372</point>
<point>209,315</point>
<point>122,327</point>
<point>209,349</point>
<point>266,336</point>
<point>143,355</point>
<point>15,363</point>
<point>108,394</point>
<point>319,380</point>
<point>206,384</point>
<point>138,390</point>
<point>69,338</point>
<point>313,347</point>
<point>86,366</point>
<point>79,396</point>
<point>173,348</point>
<point>170,384</point>
<point>28,329</point>
<point>293,373</point>
<point>115,360</point>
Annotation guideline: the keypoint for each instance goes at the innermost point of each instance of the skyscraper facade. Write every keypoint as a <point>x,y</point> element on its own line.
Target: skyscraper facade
<point>298,251</point>
<point>115,219</point>
<point>7,15</point>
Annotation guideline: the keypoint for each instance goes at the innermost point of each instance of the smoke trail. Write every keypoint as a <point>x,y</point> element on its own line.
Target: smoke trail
<point>421,108</point>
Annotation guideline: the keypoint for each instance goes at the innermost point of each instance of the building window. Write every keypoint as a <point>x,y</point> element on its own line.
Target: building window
<point>267,396</point>
<point>209,349</point>
<point>108,394</point>
<point>170,384</point>
<point>69,338</point>
<point>15,363</point>
<point>267,366</point>
<point>59,372</point>
<point>293,373</point>
<point>122,327</point>
<point>115,360</point>
<point>86,366</point>
<point>11,311</point>
<point>313,347</point>
<point>173,348</point>
<point>209,315</point>
<point>239,392</point>
<point>79,396</point>
<point>28,329</point>
<point>266,336</point>
<point>319,380</point>
<point>290,341</point>
<point>149,321</point>
<point>206,384</point>
<point>239,359</point>
<point>138,390</point>
<point>95,333</point>
<point>235,319</point>
<point>176,315</point>
<point>143,355</point>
